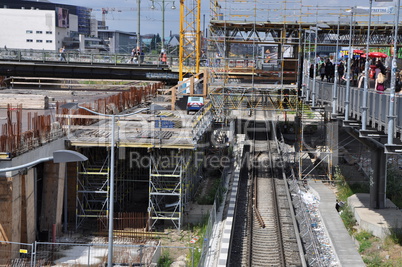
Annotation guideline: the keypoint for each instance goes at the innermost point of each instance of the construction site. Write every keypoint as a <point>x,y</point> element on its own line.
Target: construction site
<point>254,69</point>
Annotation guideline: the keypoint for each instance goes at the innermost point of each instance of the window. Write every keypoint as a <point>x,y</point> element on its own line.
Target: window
<point>29,41</point>
<point>49,41</point>
<point>39,41</point>
<point>29,31</point>
<point>49,32</point>
<point>38,32</point>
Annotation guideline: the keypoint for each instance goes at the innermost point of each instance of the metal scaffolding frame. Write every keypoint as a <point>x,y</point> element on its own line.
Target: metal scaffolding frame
<point>172,179</point>
<point>92,187</point>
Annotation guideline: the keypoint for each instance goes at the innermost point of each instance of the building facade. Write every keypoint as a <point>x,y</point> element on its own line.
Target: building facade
<point>42,25</point>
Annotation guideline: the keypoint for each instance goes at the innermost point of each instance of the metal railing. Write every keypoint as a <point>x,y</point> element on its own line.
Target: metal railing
<point>71,57</point>
<point>378,103</point>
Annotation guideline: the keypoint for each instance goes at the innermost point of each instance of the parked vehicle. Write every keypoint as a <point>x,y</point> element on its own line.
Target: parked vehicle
<point>194,103</point>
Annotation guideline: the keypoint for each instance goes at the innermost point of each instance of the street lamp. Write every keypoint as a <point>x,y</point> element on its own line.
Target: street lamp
<point>138,25</point>
<point>59,156</point>
<point>163,6</point>
<point>111,180</point>
<point>391,115</point>
<point>316,28</point>
<point>348,71</point>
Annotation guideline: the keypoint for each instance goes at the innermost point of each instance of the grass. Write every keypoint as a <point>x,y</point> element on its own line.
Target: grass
<point>348,219</point>
<point>209,197</point>
<point>374,251</point>
<point>165,260</point>
<point>200,231</point>
<point>364,239</point>
<point>345,189</point>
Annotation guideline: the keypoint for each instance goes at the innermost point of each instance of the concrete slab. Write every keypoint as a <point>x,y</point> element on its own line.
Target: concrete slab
<point>376,221</point>
<point>343,244</point>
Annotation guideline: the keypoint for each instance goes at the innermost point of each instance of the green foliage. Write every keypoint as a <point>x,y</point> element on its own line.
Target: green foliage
<point>345,189</point>
<point>396,235</point>
<point>165,260</point>
<point>394,185</point>
<point>364,239</point>
<point>200,231</point>
<point>209,197</point>
<point>348,218</point>
<point>373,260</point>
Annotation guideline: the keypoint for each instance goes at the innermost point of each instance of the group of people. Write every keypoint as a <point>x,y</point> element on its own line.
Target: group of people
<point>136,56</point>
<point>325,69</point>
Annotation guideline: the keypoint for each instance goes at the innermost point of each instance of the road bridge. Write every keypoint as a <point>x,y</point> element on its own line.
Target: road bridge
<point>86,66</point>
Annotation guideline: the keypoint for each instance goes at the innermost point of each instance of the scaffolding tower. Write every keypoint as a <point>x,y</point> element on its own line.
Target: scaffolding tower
<point>173,177</point>
<point>92,187</point>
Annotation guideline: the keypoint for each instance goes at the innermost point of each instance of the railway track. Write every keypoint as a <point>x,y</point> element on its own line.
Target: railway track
<point>265,234</point>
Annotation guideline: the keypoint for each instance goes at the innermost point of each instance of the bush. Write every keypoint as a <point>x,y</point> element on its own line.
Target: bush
<point>165,260</point>
<point>348,218</point>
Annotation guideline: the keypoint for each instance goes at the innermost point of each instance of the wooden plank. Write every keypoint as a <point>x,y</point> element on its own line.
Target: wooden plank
<point>27,101</point>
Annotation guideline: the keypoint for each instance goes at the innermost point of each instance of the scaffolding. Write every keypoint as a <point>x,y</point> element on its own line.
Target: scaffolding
<point>92,186</point>
<point>173,176</point>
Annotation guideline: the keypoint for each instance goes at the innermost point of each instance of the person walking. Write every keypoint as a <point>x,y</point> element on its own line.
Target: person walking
<point>379,82</point>
<point>322,71</point>
<point>62,52</point>
<point>163,58</point>
<point>341,71</point>
<point>329,70</point>
<point>133,53</point>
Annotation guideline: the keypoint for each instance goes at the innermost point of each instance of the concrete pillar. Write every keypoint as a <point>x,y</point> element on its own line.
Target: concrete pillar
<point>377,180</point>
<point>333,140</point>
<point>52,196</point>
<point>82,43</point>
<point>382,181</point>
<point>375,157</point>
<point>232,131</point>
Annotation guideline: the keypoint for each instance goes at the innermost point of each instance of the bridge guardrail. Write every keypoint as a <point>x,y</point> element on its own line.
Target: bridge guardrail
<point>377,103</point>
<point>77,57</point>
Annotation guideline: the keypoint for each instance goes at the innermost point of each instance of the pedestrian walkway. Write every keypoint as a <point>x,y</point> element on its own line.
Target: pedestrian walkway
<point>344,246</point>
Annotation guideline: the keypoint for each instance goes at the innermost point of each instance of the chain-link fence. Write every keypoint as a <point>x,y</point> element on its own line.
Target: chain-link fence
<point>213,216</point>
<point>76,254</point>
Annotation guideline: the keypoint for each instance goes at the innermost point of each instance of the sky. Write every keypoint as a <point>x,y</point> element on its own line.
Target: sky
<point>122,14</point>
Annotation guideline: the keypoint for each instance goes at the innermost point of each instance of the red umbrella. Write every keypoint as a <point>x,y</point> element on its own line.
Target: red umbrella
<point>377,54</point>
<point>359,52</point>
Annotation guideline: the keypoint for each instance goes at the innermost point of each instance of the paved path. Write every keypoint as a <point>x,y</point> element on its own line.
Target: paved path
<point>343,244</point>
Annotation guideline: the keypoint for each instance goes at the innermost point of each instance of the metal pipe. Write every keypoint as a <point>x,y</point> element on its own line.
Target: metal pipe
<point>347,96</point>
<point>111,197</point>
<point>315,67</point>
<point>138,25</point>
<point>163,25</point>
<point>366,77</point>
<point>26,165</point>
<point>391,115</point>
<point>309,69</point>
<point>334,90</point>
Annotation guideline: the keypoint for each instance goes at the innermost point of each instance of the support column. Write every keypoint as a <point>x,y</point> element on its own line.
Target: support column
<point>52,196</point>
<point>332,143</point>
<point>382,181</point>
<point>377,180</point>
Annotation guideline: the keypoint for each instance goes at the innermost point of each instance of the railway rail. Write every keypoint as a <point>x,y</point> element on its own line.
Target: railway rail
<point>264,230</point>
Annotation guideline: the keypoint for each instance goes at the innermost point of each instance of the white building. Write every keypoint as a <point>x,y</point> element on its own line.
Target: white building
<point>35,29</point>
